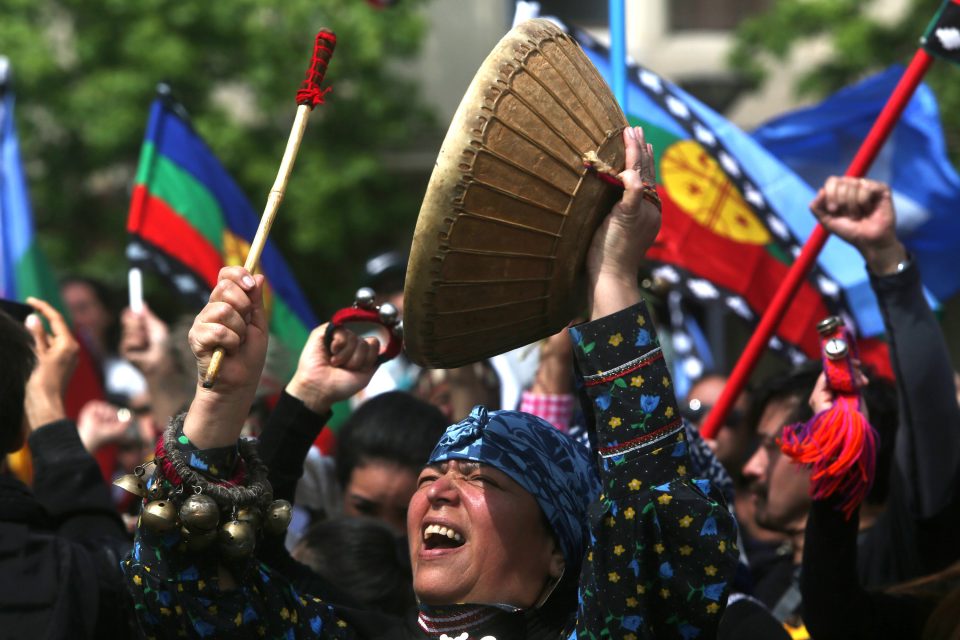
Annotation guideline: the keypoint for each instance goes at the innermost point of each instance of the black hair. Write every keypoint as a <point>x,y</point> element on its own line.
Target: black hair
<point>393,426</point>
<point>19,360</point>
<point>386,272</point>
<point>362,557</point>
<point>795,384</point>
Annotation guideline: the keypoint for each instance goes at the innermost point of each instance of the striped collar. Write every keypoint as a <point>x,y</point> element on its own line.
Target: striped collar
<point>457,621</point>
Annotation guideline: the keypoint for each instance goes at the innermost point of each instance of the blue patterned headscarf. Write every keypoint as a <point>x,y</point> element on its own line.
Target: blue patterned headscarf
<point>548,464</point>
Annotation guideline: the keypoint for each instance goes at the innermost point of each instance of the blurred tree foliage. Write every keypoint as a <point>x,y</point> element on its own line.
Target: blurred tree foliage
<point>860,45</point>
<point>86,72</point>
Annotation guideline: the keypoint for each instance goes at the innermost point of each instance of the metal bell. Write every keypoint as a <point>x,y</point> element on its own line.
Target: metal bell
<point>365,297</point>
<point>237,539</point>
<point>388,314</point>
<point>200,513</point>
<point>159,515</point>
<point>398,329</point>
<point>132,483</point>
<point>155,490</point>
<point>278,517</point>
<point>836,349</point>
<point>250,515</point>
<point>197,539</point>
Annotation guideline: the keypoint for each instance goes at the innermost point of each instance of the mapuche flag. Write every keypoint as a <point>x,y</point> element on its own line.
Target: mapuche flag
<point>188,219</point>
<point>734,217</point>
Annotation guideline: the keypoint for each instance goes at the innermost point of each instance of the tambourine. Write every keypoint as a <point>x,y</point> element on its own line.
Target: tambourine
<point>365,310</point>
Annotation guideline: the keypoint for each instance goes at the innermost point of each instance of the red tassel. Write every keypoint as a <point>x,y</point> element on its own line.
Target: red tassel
<point>838,444</point>
<point>840,447</point>
<point>310,92</point>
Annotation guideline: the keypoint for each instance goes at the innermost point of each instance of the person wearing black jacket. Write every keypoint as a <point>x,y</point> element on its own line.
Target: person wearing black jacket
<point>916,535</point>
<point>61,543</point>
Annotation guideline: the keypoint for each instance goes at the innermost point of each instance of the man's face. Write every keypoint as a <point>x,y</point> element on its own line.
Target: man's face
<point>780,488</point>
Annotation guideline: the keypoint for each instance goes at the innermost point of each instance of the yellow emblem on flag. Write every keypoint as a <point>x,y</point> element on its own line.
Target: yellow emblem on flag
<point>235,250</point>
<point>699,186</point>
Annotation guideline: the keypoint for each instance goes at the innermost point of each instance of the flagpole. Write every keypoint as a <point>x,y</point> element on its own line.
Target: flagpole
<point>771,318</point>
<point>618,51</point>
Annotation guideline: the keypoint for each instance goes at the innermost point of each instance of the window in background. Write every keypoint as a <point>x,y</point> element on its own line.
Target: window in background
<point>592,13</point>
<point>712,15</point>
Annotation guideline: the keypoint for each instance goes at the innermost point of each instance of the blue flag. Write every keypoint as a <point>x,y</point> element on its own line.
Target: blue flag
<point>23,269</point>
<point>820,141</point>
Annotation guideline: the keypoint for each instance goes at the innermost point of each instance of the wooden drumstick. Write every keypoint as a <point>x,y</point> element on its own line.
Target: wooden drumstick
<point>308,96</point>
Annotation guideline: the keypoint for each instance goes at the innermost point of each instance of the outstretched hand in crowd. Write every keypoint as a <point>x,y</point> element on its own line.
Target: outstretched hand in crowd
<point>323,378</point>
<point>56,359</point>
<point>861,212</point>
<point>101,423</point>
<point>144,341</point>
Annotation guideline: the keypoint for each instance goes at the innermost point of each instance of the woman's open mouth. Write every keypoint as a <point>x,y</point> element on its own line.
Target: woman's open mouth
<point>437,536</point>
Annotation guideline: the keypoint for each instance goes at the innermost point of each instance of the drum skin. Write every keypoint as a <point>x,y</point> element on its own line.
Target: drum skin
<point>502,235</point>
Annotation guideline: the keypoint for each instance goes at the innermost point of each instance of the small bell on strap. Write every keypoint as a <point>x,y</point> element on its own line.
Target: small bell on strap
<point>198,539</point>
<point>278,516</point>
<point>237,539</point>
<point>200,512</point>
<point>250,515</point>
<point>159,515</point>
<point>155,489</point>
<point>388,314</point>
<point>132,483</point>
<point>365,298</point>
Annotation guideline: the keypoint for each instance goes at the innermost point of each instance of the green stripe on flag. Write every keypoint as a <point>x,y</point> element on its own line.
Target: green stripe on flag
<point>35,278</point>
<point>286,327</point>
<point>184,194</point>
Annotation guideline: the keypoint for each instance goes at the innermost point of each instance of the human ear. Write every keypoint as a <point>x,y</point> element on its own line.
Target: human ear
<point>557,563</point>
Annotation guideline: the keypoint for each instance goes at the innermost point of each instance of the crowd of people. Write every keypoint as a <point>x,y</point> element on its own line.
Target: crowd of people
<point>586,506</point>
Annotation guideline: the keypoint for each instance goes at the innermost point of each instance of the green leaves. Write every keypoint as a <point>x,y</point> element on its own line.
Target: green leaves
<point>859,43</point>
<point>86,72</point>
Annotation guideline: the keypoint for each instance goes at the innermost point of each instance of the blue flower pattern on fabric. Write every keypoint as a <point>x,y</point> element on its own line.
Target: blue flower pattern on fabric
<point>646,550</point>
<point>649,403</point>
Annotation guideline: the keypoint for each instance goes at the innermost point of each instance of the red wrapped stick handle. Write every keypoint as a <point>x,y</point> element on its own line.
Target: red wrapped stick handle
<point>310,92</point>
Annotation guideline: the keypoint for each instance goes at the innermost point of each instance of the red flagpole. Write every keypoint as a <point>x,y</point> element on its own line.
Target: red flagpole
<point>811,249</point>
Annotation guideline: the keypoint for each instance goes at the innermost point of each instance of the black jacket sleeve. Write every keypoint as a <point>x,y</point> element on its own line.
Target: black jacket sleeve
<point>286,440</point>
<point>835,605</point>
<point>68,483</point>
<point>928,441</point>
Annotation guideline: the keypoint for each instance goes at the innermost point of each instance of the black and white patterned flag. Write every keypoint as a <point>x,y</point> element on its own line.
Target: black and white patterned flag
<point>942,38</point>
